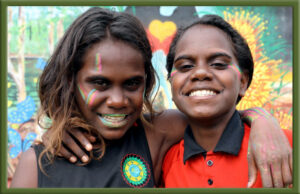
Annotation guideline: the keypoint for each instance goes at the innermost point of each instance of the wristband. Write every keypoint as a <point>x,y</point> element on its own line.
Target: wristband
<point>255,113</point>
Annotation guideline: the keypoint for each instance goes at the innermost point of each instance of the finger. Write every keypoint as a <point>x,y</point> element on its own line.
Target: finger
<point>252,169</point>
<point>265,175</point>
<point>286,173</point>
<point>291,162</point>
<point>84,141</point>
<point>72,145</point>
<point>66,154</point>
<point>91,138</point>
<point>276,174</point>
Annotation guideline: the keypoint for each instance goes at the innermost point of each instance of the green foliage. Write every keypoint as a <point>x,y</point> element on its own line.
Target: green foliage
<point>37,27</point>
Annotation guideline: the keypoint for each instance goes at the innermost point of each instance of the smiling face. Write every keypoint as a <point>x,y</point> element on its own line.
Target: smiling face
<point>110,87</point>
<point>206,80</point>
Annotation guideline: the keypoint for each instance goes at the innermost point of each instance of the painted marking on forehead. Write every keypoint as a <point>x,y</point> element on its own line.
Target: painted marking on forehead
<point>236,68</point>
<point>173,71</point>
<point>98,64</point>
<point>91,97</point>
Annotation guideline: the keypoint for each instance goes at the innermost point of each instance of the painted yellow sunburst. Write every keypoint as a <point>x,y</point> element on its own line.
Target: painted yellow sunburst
<point>286,120</point>
<point>251,27</point>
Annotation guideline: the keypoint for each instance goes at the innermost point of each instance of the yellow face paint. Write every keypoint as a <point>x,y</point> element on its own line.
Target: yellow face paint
<point>89,99</point>
<point>173,72</point>
<point>237,69</point>
<point>82,93</point>
<point>98,64</point>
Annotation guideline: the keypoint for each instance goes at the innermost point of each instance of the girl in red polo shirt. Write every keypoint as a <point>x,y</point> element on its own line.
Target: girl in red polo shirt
<point>210,68</point>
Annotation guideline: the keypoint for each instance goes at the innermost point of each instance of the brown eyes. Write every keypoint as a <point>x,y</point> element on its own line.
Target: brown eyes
<point>133,84</point>
<point>185,67</point>
<point>219,65</point>
<point>101,84</point>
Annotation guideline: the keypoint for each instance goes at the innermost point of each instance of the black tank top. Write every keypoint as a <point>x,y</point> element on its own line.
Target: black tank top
<point>126,163</point>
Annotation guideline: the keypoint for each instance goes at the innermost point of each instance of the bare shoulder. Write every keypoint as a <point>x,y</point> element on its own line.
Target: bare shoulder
<point>27,166</point>
<point>167,129</point>
<point>171,123</point>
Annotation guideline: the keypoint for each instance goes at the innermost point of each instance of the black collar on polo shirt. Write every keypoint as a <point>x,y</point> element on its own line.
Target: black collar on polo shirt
<point>230,141</point>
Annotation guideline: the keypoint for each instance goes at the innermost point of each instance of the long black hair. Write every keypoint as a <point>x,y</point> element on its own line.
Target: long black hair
<point>58,80</point>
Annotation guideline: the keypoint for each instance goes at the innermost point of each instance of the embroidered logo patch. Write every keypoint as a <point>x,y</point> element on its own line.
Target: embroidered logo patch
<point>135,170</point>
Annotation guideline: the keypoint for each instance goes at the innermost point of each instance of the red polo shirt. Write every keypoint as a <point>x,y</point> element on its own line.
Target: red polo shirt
<point>188,165</point>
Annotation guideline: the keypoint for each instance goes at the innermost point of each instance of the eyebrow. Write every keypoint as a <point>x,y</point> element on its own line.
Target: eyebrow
<point>97,77</point>
<point>210,58</point>
<point>138,77</point>
<point>219,54</point>
<point>182,57</point>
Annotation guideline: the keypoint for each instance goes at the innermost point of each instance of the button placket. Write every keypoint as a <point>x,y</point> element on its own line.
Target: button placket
<point>210,181</point>
<point>209,163</point>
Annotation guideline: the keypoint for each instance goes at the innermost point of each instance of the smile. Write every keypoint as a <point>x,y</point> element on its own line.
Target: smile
<point>113,120</point>
<point>203,93</point>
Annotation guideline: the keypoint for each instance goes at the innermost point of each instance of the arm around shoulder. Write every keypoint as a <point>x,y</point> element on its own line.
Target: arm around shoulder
<point>27,166</point>
<point>172,123</point>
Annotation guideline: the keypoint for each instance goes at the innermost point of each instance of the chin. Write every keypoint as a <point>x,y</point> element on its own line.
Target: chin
<point>113,133</point>
<point>200,115</point>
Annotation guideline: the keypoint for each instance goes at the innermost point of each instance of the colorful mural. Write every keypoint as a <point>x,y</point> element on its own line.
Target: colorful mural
<point>34,31</point>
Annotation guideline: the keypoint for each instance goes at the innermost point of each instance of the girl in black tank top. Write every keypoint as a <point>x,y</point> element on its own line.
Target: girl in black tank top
<point>98,79</point>
<point>126,163</point>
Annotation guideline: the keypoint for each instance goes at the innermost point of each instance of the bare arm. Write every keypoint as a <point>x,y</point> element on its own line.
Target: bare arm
<point>266,134</point>
<point>172,124</point>
<point>270,151</point>
<point>168,128</point>
<point>26,173</point>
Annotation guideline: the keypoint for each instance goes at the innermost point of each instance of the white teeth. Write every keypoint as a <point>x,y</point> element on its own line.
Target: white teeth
<point>202,93</point>
<point>114,119</point>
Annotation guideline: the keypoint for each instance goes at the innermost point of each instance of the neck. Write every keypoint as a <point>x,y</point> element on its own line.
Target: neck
<point>208,131</point>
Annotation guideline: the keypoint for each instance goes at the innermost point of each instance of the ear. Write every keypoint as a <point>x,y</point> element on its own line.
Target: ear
<point>244,83</point>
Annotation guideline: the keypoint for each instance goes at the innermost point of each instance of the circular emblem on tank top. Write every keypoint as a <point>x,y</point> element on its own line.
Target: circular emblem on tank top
<point>135,170</point>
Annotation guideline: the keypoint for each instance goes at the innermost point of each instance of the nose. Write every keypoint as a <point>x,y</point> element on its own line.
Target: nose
<point>117,99</point>
<point>201,72</point>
